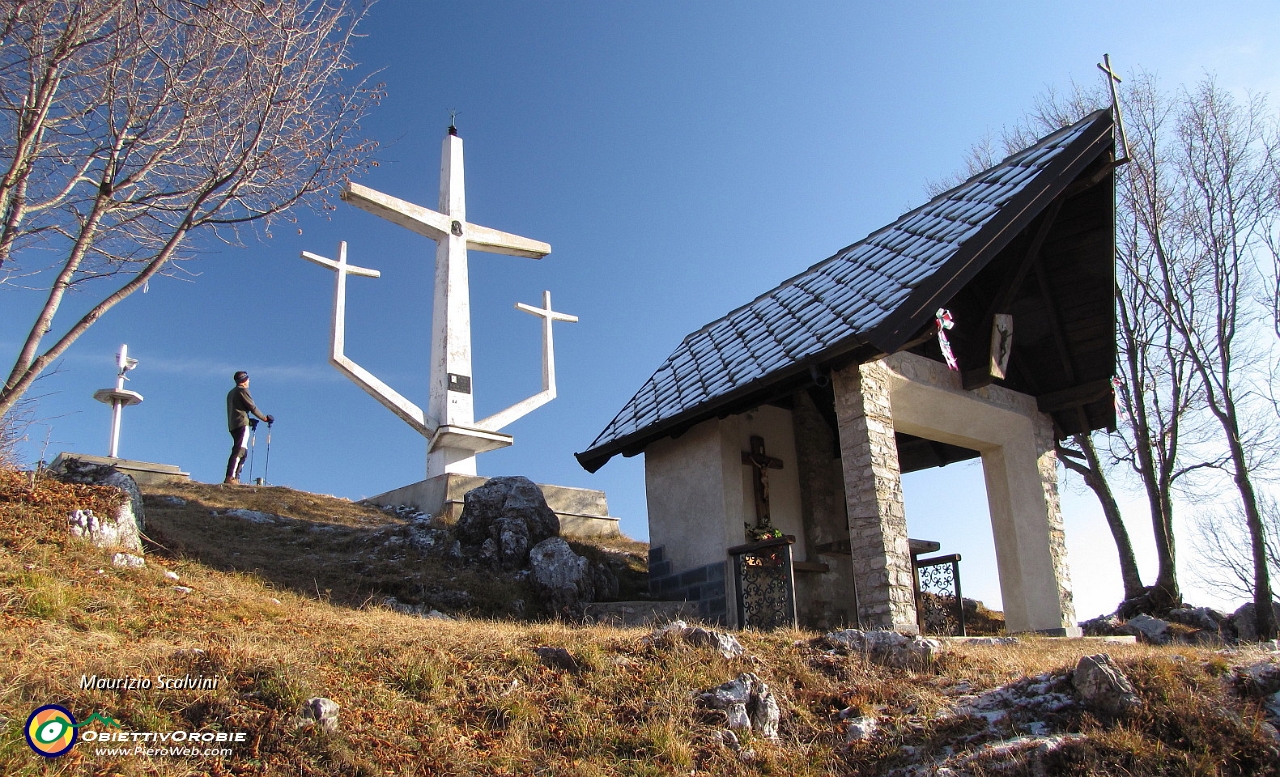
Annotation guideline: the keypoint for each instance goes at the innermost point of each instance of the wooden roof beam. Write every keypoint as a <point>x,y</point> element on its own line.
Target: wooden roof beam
<point>981,376</point>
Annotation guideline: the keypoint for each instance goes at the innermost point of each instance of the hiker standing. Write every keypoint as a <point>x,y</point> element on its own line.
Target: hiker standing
<point>239,406</point>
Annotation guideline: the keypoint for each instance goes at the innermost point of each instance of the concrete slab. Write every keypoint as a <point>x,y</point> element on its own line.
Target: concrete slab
<point>144,472</point>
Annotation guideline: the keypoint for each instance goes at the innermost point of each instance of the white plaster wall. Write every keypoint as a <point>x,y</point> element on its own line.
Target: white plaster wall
<point>774,424</point>
<point>694,495</point>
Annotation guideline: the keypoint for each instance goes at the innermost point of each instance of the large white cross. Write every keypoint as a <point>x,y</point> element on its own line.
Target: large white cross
<point>449,423</point>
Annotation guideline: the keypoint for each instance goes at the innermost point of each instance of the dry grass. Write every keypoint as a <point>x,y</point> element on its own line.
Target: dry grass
<point>470,697</point>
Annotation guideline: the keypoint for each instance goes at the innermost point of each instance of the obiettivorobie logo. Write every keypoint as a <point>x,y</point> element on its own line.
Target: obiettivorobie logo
<point>52,730</point>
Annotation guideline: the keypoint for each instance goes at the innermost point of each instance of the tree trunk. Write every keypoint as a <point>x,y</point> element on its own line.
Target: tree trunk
<point>1096,479</point>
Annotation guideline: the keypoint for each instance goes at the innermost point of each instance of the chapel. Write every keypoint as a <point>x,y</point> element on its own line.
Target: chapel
<point>981,324</point>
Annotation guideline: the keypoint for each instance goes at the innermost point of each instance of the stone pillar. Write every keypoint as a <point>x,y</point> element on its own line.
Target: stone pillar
<point>873,494</point>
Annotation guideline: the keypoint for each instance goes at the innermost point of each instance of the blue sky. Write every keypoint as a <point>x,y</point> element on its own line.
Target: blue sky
<point>681,159</point>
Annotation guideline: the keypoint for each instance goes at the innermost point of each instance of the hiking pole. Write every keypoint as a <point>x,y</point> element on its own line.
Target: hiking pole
<point>267,465</point>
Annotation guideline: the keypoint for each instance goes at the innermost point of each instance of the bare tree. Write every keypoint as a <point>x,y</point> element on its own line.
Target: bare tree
<point>1154,395</point>
<point>1084,460</point>
<point>1209,284</point>
<point>1224,563</point>
<point>132,126</point>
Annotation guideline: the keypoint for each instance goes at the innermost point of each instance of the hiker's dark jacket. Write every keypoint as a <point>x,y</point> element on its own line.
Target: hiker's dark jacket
<point>239,406</point>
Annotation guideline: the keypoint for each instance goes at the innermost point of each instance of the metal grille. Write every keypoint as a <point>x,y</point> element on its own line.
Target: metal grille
<point>939,602</point>
<point>765,584</point>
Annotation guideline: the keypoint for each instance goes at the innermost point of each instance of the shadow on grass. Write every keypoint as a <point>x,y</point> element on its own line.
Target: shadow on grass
<point>320,547</point>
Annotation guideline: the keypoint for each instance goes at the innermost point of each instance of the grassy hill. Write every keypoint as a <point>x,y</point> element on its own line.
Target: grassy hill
<point>282,611</point>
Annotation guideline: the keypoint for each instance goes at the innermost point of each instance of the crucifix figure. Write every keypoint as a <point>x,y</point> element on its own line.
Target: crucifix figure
<point>449,424</point>
<point>761,463</point>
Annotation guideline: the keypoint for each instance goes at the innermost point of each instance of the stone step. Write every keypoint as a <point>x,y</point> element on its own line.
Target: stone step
<point>143,472</point>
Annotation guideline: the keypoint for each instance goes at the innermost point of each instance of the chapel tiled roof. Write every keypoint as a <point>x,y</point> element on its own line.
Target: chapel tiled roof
<point>858,295</point>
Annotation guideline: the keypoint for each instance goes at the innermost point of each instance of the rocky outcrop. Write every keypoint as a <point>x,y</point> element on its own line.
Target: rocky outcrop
<point>566,580</point>
<point>1147,629</point>
<point>1244,623</point>
<point>507,517</point>
<point>121,530</point>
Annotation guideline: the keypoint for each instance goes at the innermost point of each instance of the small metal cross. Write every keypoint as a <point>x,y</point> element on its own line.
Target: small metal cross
<point>1112,80</point>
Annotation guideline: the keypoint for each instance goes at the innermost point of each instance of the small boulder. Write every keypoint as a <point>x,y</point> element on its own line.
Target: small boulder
<point>321,712</point>
<point>1147,629</point>
<point>1102,626</point>
<point>1205,618</point>
<point>860,729</point>
<point>1103,686</point>
<point>888,648</point>
<point>557,658</point>
<point>726,644</point>
<point>1246,627</point>
<point>747,703</point>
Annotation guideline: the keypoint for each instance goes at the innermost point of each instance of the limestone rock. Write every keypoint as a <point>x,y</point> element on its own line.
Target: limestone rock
<point>1103,686</point>
<point>560,575</point>
<point>512,512</point>
<point>1102,626</point>
<point>128,561</point>
<point>888,648</point>
<point>1147,629</point>
<point>124,528</point>
<point>319,711</point>
<point>1205,618</point>
<point>1258,679</point>
<point>1246,627</point>
<point>422,611</point>
<point>1020,702</point>
<point>726,644</point>
<point>748,704</point>
<point>120,531</point>
<point>860,729</point>
<point>74,470</point>
<point>252,516</point>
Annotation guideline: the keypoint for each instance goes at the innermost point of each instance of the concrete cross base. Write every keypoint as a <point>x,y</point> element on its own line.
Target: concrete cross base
<point>468,439</point>
<point>145,473</point>
<point>583,512</point>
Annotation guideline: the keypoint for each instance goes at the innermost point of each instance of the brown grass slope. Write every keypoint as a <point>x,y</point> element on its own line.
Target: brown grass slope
<point>470,697</point>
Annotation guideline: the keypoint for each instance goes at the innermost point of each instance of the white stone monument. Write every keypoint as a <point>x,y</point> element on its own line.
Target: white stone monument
<point>454,436</point>
<point>119,397</point>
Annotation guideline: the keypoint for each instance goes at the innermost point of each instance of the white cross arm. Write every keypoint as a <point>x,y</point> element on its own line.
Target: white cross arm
<point>350,269</point>
<point>438,226</point>
<point>544,312</point>
<point>520,409</point>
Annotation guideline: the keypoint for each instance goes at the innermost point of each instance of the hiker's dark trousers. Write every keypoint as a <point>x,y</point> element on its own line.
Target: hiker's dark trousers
<point>239,450</point>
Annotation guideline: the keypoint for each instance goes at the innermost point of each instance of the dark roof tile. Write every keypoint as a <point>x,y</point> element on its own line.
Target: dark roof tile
<point>840,298</point>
